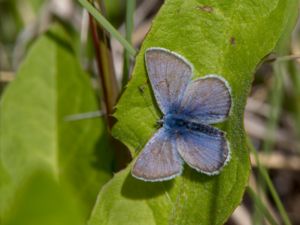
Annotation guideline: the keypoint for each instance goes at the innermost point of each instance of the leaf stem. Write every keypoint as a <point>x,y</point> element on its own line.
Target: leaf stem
<point>108,85</point>
<point>129,25</point>
<point>105,70</point>
<point>107,26</point>
<point>260,206</point>
<point>272,189</point>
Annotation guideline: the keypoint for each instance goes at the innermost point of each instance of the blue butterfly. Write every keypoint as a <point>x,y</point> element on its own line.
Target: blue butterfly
<point>188,106</point>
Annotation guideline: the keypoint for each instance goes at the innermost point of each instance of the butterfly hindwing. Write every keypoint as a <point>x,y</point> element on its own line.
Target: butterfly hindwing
<point>169,75</point>
<point>159,159</point>
<point>206,152</point>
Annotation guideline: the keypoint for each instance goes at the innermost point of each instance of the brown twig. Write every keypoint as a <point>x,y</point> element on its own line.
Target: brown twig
<point>108,84</point>
<point>105,69</point>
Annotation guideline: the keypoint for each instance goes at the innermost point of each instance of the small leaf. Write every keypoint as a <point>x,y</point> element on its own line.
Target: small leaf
<point>50,85</point>
<point>228,38</point>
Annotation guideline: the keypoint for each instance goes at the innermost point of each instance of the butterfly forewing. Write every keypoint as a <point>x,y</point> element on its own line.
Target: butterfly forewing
<point>169,75</point>
<point>205,152</point>
<point>159,160</point>
<point>206,100</point>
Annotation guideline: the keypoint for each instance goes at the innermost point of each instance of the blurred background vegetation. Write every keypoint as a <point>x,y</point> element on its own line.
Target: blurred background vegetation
<point>272,115</point>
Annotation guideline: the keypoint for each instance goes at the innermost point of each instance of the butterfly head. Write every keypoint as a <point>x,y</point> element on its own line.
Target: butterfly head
<point>160,122</point>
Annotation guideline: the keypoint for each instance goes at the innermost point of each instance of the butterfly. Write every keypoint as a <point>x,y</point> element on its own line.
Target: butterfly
<point>188,107</point>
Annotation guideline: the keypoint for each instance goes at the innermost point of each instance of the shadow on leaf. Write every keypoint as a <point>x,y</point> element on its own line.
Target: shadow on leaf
<point>138,189</point>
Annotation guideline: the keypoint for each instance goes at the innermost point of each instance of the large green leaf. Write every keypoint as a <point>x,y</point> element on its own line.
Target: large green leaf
<point>228,38</point>
<point>49,86</point>
<point>41,200</point>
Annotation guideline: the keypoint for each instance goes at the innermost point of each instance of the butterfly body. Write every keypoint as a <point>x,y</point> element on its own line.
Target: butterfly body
<point>189,108</point>
<point>179,125</point>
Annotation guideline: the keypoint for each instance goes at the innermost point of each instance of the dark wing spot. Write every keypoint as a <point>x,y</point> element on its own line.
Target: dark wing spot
<point>232,40</point>
<point>205,8</point>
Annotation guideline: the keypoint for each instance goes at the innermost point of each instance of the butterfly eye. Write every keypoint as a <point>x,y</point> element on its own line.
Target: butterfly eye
<point>160,122</point>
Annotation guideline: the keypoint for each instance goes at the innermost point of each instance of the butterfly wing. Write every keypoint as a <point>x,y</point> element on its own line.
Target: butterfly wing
<point>206,100</point>
<point>159,159</point>
<point>206,151</point>
<point>169,75</point>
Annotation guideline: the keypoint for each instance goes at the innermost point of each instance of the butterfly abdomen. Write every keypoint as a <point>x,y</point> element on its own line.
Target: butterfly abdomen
<point>177,124</point>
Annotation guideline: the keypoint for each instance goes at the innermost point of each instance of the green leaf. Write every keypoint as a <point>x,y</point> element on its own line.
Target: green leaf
<point>228,38</point>
<point>49,86</point>
<point>42,201</point>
